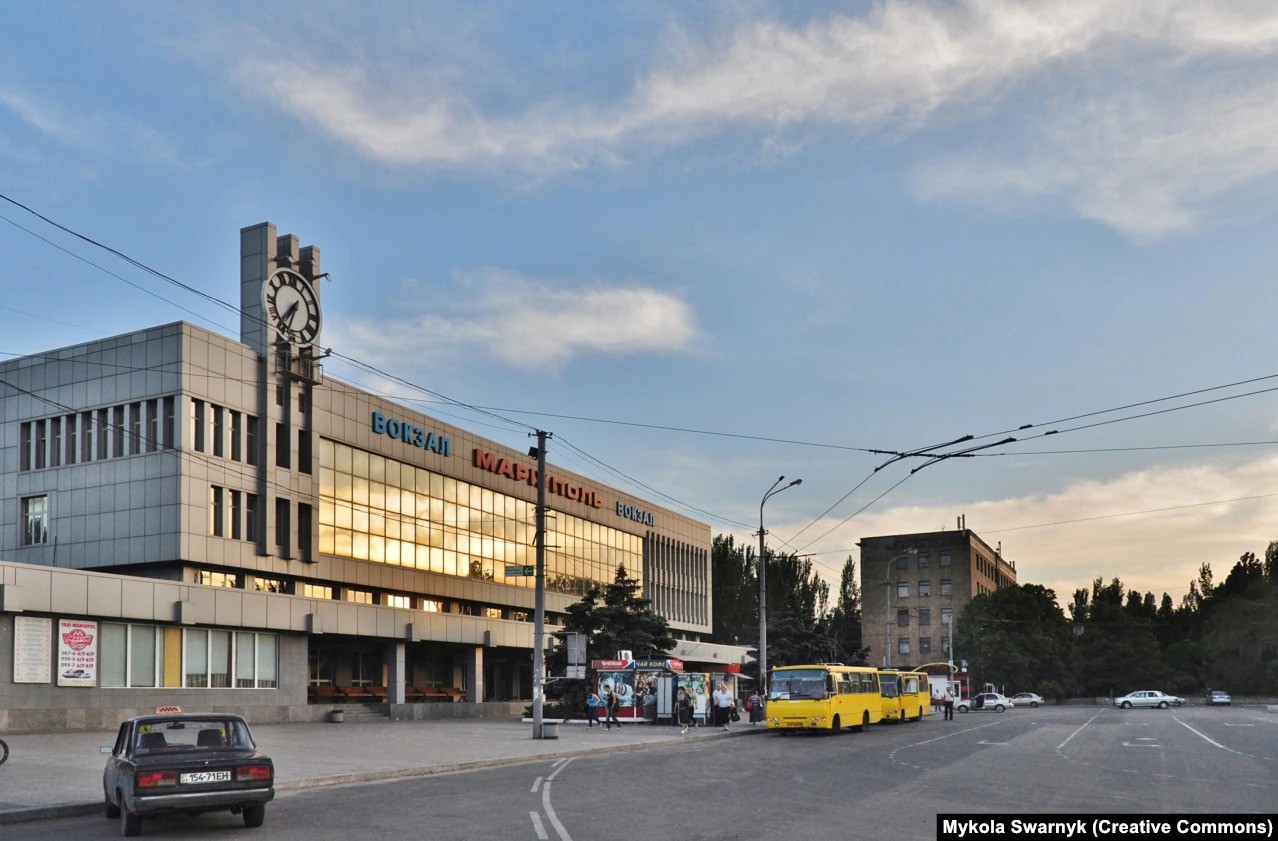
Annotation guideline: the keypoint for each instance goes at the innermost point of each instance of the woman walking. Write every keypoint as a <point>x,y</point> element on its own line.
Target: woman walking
<point>683,705</point>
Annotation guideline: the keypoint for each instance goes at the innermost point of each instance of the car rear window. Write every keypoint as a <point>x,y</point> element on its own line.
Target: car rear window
<point>179,734</point>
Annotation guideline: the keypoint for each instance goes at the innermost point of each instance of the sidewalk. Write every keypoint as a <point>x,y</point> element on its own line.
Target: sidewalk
<point>60,774</point>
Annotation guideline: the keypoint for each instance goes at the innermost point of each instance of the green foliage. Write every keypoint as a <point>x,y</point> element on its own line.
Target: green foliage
<point>736,593</point>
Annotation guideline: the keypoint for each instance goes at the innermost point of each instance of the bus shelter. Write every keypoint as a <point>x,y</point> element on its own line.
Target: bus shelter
<point>645,689</point>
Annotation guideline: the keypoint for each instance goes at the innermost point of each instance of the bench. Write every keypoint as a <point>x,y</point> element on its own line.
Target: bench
<point>325,694</point>
<point>453,692</point>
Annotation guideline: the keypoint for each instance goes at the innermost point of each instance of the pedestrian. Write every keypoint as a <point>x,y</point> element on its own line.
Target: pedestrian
<point>611,702</point>
<point>723,705</point>
<point>949,704</point>
<point>593,703</point>
<point>683,705</point>
<point>754,706</point>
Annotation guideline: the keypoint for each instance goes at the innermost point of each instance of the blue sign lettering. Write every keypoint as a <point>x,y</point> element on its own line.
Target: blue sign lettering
<point>413,436</point>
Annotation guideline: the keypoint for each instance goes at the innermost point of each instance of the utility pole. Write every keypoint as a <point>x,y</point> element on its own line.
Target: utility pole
<point>539,613</point>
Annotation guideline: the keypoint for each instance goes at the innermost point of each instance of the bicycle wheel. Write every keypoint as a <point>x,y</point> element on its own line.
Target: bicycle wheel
<point>4,751</point>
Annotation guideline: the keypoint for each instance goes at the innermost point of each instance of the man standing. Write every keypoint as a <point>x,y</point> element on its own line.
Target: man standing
<point>949,704</point>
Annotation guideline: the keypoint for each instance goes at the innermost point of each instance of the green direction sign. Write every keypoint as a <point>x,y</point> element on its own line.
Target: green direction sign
<point>515,569</point>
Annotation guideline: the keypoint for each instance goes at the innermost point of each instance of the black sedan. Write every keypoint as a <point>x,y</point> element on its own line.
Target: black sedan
<point>189,763</point>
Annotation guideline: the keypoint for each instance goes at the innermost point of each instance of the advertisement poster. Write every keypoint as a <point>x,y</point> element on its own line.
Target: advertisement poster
<point>77,653</point>
<point>32,649</point>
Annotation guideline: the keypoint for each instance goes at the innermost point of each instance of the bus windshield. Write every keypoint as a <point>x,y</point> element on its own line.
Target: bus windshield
<point>797,683</point>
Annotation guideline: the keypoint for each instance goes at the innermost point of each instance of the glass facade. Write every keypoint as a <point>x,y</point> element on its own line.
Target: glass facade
<point>377,509</point>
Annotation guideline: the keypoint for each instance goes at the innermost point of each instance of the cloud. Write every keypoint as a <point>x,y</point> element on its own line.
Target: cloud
<point>1167,104</point>
<point>530,324</point>
<point>1152,529</point>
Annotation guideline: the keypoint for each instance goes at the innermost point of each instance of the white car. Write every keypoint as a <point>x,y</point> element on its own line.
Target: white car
<point>1027,699</point>
<point>1148,698</point>
<point>985,701</point>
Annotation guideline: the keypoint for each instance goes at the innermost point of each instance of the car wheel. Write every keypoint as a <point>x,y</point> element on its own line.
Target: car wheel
<point>962,708</point>
<point>254,815</point>
<point>1127,705</point>
<point>998,708</point>
<point>1162,705</point>
<point>1034,704</point>
<point>109,809</point>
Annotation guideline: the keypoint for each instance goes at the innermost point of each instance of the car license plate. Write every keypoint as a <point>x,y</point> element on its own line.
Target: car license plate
<point>205,777</point>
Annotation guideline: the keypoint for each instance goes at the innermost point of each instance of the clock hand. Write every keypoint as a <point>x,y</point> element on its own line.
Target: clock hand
<point>287,318</point>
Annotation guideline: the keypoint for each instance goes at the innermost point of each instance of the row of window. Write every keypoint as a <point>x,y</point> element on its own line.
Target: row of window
<point>223,432</point>
<point>150,655</point>
<point>944,559</point>
<point>143,426</point>
<point>235,514</point>
<point>377,509</point>
<point>925,616</point>
<point>924,588</point>
<point>904,645</point>
<point>405,601</point>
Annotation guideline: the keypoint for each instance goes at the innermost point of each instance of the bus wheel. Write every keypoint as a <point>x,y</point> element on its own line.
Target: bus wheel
<point>919,717</point>
<point>836,725</point>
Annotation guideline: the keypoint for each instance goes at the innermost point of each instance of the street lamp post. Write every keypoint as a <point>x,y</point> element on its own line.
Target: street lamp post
<point>763,585</point>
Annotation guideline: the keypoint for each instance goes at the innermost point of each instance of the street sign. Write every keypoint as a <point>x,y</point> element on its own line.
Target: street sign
<point>576,672</point>
<point>513,570</point>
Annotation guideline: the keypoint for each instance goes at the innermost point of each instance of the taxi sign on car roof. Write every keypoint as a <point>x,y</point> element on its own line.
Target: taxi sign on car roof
<point>169,710</point>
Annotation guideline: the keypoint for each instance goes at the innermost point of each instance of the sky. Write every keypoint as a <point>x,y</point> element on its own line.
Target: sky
<point>706,245</point>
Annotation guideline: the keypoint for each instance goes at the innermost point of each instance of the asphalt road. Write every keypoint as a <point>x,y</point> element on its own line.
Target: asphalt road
<point>882,784</point>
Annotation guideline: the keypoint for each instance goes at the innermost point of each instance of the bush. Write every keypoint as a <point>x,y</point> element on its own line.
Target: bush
<point>556,709</point>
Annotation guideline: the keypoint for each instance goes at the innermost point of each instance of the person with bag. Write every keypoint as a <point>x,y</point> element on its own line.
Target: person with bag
<point>724,706</point>
<point>593,703</point>
<point>611,703</point>
<point>754,706</point>
<point>683,704</point>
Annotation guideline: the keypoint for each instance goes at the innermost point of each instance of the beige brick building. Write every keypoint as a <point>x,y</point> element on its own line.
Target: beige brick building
<point>914,587</point>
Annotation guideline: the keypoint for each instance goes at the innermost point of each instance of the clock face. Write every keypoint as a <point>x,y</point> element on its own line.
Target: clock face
<point>291,307</point>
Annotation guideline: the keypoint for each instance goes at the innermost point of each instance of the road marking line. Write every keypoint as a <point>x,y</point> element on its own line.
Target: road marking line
<point>550,813</point>
<point>1076,732</point>
<point>536,785</point>
<point>563,763</point>
<point>537,826</point>
<point>1210,740</point>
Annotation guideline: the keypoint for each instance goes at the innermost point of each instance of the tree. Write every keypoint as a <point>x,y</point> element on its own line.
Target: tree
<point>1018,638</point>
<point>843,624</point>
<point>735,594</point>
<point>798,600</point>
<point>623,621</point>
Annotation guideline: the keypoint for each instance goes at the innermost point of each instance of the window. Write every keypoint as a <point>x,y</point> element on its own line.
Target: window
<point>55,441</point>
<point>41,445</point>
<point>947,615</point>
<point>170,415</point>
<point>925,588</point>
<point>250,439</point>
<point>492,612</point>
<point>925,561</point>
<point>24,447</point>
<point>152,425</point>
<point>433,605</point>
<point>73,448</point>
<point>357,596</point>
<point>282,526</point>
<point>391,600</point>
<point>117,431</point>
<point>212,578</point>
<point>220,658</point>
<point>903,618</point>
<point>925,616</point>
<point>216,513</point>
<point>86,436</point>
<point>219,431</point>
<point>945,645</point>
<point>270,585</point>
<point>903,645</point>
<point>237,434</point>
<point>250,517</point>
<point>304,450</point>
<point>902,561</point>
<point>142,655</point>
<point>315,591</point>
<point>135,428</point>
<point>35,520</point>
<point>236,515</point>
<point>197,424</point>
<point>102,434</point>
<point>282,454</point>
<point>946,559</point>
<point>925,645</point>
<point>304,532</point>
<point>902,590</point>
<point>196,665</point>
<point>947,587</point>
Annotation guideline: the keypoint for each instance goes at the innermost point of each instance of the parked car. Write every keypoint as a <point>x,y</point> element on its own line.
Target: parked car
<point>185,762</point>
<point>76,673</point>
<point>1219,698</point>
<point>985,701</point>
<point>1148,698</point>
<point>1022,699</point>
